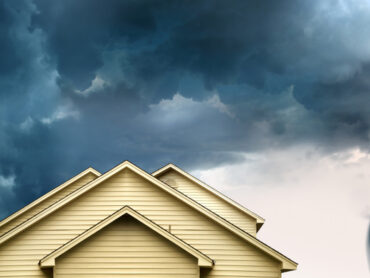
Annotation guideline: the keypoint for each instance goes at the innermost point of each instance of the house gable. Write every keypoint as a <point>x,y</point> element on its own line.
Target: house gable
<point>126,248</point>
<point>210,198</point>
<point>49,260</point>
<point>48,199</point>
<point>128,185</point>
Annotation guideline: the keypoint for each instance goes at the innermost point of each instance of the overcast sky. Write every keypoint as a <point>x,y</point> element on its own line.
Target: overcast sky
<point>267,100</point>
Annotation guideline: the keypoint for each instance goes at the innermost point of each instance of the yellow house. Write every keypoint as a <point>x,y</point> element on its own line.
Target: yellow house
<point>129,223</point>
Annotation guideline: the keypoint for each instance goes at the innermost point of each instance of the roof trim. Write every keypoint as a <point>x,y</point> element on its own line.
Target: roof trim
<point>287,264</point>
<point>215,192</point>
<point>49,260</point>
<point>89,170</point>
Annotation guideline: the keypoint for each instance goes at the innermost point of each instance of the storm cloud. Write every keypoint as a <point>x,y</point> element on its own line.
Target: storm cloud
<point>191,82</point>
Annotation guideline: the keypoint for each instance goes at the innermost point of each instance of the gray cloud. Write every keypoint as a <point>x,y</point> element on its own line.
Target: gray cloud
<point>191,82</point>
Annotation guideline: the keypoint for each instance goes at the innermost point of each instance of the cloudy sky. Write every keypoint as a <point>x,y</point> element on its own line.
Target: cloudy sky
<point>266,100</point>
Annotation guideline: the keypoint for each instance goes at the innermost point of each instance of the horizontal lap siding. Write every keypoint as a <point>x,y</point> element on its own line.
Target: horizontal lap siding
<point>212,202</point>
<point>234,257</point>
<point>46,203</point>
<point>126,248</point>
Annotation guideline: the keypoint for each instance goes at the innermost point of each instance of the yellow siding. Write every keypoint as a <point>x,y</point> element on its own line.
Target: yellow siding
<point>234,257</point>
<point>47,202</point>
<point>126,248</point>
<point>210,201</point>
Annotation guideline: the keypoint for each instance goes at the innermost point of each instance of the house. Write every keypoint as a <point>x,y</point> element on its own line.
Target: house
<point>129,223</point>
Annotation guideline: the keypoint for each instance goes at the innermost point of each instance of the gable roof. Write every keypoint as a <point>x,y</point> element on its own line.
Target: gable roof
<point>89,170</point>
<point>287,264</point>
<point>49,260</point>
<point>170,166</point>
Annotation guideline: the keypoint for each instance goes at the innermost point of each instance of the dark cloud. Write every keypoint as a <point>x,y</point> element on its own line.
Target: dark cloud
<point>23,153</point>
<point>79,31</point>
<point>9,59</point>
<point>191,82</point>
<point>342,106</point>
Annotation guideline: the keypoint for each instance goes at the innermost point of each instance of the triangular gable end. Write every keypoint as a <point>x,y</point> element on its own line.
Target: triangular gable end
<point>49,260</point>
<point>287,264</point>
<point>170,166</point>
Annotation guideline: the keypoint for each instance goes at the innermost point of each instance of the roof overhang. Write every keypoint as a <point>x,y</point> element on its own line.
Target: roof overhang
<point>89,170</point>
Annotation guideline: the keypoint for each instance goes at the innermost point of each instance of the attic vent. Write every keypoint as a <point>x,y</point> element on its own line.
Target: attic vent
<point>171,182</point>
